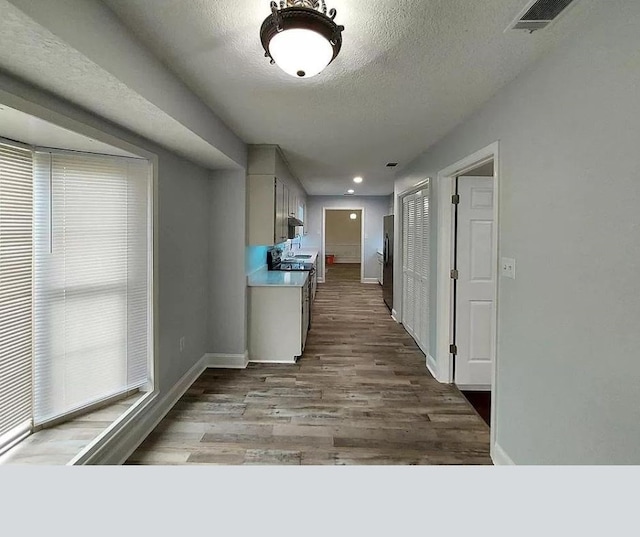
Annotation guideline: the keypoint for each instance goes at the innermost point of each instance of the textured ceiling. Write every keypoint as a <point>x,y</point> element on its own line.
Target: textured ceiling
<point>32,53</point>
<point>409,71</point>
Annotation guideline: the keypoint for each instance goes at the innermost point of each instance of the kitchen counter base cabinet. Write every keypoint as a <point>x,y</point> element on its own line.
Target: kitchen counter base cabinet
<point>278,323</point>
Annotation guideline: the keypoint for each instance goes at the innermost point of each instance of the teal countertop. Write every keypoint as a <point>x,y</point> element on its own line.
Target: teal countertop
<point>277,278</point>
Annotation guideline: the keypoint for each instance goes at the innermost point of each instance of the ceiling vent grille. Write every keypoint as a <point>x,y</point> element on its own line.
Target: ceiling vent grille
<point>539,14</point>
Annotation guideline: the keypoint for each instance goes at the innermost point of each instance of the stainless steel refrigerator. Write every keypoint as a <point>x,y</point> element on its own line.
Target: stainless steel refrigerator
<point>387,257</point>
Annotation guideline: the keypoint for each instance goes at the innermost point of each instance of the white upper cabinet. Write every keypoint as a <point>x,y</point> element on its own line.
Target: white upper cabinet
<point>273,195</point>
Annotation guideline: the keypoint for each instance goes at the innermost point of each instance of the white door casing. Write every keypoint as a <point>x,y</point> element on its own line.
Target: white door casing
<point>476,282</point>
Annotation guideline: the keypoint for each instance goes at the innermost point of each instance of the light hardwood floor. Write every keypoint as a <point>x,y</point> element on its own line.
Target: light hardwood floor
<point>360,394</point>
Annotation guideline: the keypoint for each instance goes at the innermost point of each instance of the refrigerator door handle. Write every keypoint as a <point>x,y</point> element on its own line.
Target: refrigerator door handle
<point>386,249</point>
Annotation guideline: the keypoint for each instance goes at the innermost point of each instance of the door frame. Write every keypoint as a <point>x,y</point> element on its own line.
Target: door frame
<point>321,276</point>
<point>445,182</point>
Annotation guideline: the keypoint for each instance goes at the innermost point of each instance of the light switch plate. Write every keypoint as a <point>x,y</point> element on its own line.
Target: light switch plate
<point>508,266</point>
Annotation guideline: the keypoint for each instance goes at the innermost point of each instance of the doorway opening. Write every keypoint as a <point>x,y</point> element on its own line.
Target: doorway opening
<point>342,245</point>
<point>467,279</point>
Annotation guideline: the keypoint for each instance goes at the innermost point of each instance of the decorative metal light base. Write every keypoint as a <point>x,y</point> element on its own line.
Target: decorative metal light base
<point>303,14</point>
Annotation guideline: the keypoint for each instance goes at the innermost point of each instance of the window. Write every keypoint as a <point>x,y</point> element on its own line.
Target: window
<point>91,280</point>
<point>15,292</point>
<point>75,284</point>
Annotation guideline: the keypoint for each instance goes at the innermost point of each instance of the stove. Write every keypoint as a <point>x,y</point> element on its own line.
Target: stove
<point>275,262</point>
<point>290,265</point>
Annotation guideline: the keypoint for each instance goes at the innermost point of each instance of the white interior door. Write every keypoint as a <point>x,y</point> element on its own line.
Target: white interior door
<point>476,282</point>
<point>415,267</point>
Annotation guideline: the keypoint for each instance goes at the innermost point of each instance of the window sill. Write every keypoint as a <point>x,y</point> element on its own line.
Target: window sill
<point>74,440</point>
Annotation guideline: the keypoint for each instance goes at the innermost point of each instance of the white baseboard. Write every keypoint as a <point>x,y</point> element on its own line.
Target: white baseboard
<point>500,457</point>
<point>394,316</point>
<point>116,444</point>
<point>287,362</point>
<point>432,367</point>
<point>371,281</point>
<point>227,361</point>
<point>320,280</point>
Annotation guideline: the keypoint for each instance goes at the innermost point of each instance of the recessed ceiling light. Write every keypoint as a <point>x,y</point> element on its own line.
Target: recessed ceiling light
<point>358,180</point>
<point>353,216</point>
<point>351,191</point>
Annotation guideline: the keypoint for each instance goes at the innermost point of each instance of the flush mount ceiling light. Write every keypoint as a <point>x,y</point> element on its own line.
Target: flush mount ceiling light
<point>353,216</point>
<point>300,37</point>
<point>351,191</point>
<point>358,180</point>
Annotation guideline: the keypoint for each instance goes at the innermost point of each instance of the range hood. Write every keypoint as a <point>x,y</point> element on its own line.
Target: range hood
<point>295,222</point>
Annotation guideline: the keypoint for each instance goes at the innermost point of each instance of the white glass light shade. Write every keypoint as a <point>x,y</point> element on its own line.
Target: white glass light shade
<point>301,53</point>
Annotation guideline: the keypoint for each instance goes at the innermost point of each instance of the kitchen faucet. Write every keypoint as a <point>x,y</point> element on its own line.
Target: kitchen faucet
<point>290,245</point>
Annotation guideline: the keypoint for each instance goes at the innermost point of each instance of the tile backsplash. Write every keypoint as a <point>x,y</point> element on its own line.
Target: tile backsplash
<point>256,256</point>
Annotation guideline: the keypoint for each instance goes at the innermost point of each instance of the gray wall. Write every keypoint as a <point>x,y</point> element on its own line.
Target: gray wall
<point>375,208</point>
<point>568,343</point>
<point>227,281</point>
<point>183,236</point>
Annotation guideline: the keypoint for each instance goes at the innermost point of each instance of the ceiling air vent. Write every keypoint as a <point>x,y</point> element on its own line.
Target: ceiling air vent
<point>538,14</point>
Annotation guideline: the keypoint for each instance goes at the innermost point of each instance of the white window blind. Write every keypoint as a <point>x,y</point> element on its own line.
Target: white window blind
<point>92,283</point>
<point>16,211</point>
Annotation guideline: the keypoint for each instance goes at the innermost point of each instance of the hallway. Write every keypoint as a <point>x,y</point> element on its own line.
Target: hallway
<point>361,394</point>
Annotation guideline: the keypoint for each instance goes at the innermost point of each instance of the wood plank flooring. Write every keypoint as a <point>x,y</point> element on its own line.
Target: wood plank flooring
<point>360,394</point>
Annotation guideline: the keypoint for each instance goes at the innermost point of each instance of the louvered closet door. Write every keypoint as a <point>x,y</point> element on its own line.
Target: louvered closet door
<point>409,231</point>
<point>422,331</point>
<point>417,269</point>
<point>407,250</point>
<point>16,208</point>
<point>416,262</point>
<point>92,266</point>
